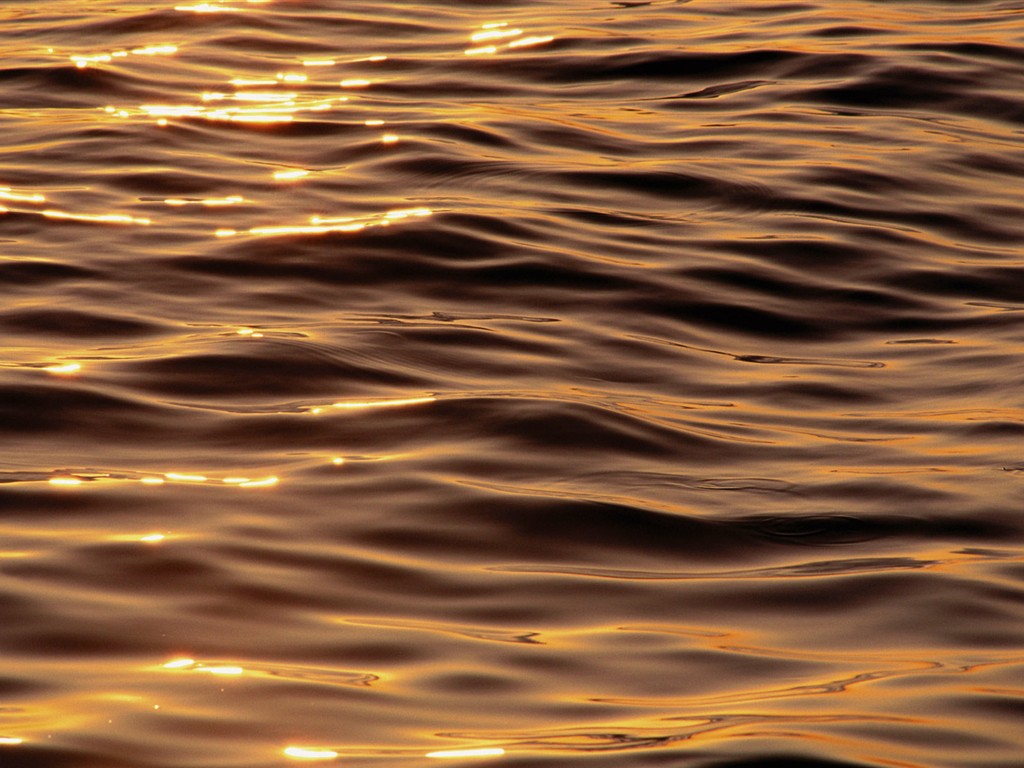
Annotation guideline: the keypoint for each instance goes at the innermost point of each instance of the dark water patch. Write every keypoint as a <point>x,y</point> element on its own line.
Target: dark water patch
<point>681,66</point>
<point>568,426</point>
<point>973,50</point>
<point>68,86</point>
<point>736,317</point>
<point>519,528</point>
<point>40,408</point>
<point>274,370</point>
<point>835,300</point>
<point>849,30</point>
<point>724,89</point>
<point>16,274</point>
<point>673,185</point>
<point>47,756</point>
<point>921,341</point>
<point>818,255</point>
<point>838,528</point>
<point>1004,283</point>
<point>164,182</point>
<point>74,323</point>
<point>908,87</point>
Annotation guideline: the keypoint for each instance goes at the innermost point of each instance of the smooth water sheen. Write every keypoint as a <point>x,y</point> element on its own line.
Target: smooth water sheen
<point>572,382</point>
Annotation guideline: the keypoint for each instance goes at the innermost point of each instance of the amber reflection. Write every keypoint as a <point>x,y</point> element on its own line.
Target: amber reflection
<point>321,225</point>
<point>76,479</point>
<point>464,753</point>
<point>497,36</point>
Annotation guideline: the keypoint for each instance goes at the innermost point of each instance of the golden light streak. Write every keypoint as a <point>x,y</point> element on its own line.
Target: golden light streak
<point>9,741</point>
<point>498,32</point>
<point>106,218</point>
<point>226,671</point>
<point>157,110</point>
<point>321,225</point>
<point>481,752</point>
<point>305,753</point>
<point>65,369</point>
<point>289,77</point>
<point>388,138</point>
<point>206,8</point>
<point>210,202</point>
<point>305,230</point>
<point>354,82</point>
<point>83,60</point>
<point>495,34</point>
<point>155,50</point>
<point>260,107</point>
<point>185,478</point>
<point>65,481</point>
<point>373,122</point>
<point>528,41</point>
<point>264,483</point>
<point>405,213</point>
<point>152,481</point>
<point>337,461</point>
<point>318,63</point>
<point>6,193</point>
<point>361,404</point>
<point>153,538</point>
<point>318,220</point>
<point>297,173</point>
<point>246,82</point>
<point>179,663</point>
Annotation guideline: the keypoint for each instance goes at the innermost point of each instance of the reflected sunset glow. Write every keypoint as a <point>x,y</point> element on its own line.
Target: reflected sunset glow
<point>308,753</point>
<point>63,369</point>
<point>467,753</point>
<point>102,218</point>
<point>6,193</point>
<point>319,225</point>
<point>496,36</point>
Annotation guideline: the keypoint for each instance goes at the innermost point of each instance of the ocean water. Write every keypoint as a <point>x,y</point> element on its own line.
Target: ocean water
<point>516,384</point>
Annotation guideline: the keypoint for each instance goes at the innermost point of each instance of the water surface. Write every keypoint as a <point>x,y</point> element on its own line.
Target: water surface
<point>578,383</point>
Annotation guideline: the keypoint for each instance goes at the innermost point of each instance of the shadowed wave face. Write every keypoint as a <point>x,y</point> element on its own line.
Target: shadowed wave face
<point>531,384</point>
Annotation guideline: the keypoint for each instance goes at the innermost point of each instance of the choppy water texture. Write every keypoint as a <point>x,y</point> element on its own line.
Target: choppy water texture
<point>580,383</point>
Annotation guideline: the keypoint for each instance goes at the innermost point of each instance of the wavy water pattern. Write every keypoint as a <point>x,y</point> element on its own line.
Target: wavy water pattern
<point>536,384</point>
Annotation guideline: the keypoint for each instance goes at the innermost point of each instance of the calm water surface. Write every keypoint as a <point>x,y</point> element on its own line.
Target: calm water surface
<point>579,383</point>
